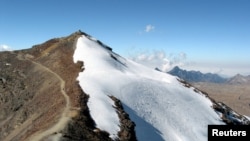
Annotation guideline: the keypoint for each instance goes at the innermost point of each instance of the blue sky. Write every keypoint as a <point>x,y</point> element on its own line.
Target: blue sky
<point>209,35</point>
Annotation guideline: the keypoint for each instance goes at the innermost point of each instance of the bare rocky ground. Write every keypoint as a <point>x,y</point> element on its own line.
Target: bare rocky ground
<point>40,98</point>
<point>236,96</point>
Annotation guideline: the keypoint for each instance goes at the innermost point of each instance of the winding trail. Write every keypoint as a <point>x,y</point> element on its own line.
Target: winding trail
<point>64,118</point>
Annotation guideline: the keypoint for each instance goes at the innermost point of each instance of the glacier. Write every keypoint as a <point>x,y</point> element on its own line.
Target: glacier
<point>162,108</point>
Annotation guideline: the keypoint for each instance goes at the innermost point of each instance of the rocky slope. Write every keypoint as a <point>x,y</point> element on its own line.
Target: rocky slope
<point>40,98</point>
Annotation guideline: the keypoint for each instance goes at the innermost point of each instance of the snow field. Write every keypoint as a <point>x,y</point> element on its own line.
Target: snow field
<point>161,107</point>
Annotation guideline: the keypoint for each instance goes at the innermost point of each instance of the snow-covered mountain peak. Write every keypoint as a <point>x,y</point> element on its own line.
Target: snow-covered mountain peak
<point>160,105</point>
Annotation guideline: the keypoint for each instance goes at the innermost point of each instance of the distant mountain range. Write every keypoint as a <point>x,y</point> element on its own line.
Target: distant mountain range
<point>197,76</point>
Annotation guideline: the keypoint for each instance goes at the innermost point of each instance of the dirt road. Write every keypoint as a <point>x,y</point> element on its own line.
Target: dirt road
<point>50,133</point>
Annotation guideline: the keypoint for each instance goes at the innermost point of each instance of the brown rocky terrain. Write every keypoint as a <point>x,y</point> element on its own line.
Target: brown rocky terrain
<point>237,96</point>
<point>40,98</point>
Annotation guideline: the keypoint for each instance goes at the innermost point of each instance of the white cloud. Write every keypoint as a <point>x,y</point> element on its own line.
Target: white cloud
<point>5,48</point>
<point>149,28</point>
<point>166,62</point>
<point>158,59</point>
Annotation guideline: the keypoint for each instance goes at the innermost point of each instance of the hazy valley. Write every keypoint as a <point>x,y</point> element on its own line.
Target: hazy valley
<point>233,91</point>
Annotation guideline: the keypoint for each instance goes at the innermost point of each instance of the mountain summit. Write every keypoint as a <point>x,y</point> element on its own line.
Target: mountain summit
<point>239,79</point>
<point>77,88</point>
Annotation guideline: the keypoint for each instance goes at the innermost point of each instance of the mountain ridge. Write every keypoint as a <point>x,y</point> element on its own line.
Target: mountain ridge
<point>37,104</point>
<point>32,90</point>
<point>196,76</point>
